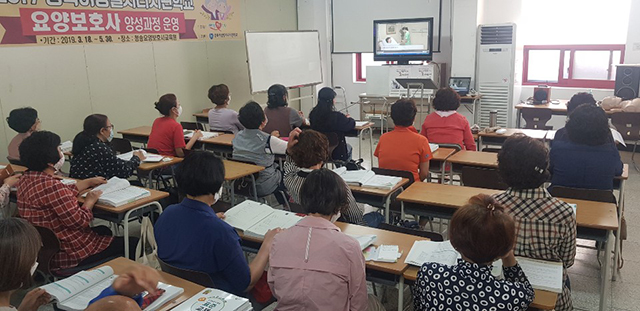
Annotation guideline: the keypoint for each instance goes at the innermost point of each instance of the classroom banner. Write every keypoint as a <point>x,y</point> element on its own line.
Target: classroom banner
<point>63,22</point>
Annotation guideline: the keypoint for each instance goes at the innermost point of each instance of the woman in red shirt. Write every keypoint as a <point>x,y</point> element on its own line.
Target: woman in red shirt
<point>166,133</point>
<point>445,125</point>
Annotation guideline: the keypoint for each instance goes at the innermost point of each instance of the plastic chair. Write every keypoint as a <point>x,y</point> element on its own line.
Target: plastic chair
<point>482,178</point>
<point>197,277</point>
<point>50,247</point>
<point>120,145</point>
<point>537,118</point>
<point>192,126</point>
<point>628,124</point>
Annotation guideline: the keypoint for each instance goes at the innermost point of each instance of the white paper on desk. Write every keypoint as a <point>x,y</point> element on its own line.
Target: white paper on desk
<point>428,251</point>
<point>382,182</point>
<point>382,253</point>
<point>544,275</point>
<point>617,137</point>
<point>149,157</point>
<point>277,219</point>
<point>362,123</point>
<point>433,147</point>
<point>66,146</point>
<point>205,135</point>
<point>364,240</point>
<point>247,214</point>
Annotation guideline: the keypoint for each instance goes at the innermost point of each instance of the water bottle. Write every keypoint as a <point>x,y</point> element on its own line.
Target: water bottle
<point>493,118</point>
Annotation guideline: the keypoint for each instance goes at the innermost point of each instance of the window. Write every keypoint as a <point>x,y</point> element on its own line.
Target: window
<point>588,66</point>
<point>362,60</point>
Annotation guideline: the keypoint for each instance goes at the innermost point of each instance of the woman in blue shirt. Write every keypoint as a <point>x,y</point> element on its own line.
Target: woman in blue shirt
<point>588,159</point>
<point>190,235</point>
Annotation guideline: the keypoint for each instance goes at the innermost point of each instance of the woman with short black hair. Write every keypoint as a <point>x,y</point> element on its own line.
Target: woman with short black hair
<point>325,119</point>
<point>24,121</point>
<point>282,118</point>
<point>445,125</point>
<point>92,155</point>
<point>588,159</point>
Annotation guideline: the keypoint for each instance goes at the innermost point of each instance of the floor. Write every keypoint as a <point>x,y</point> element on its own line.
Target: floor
<point>584,273</point>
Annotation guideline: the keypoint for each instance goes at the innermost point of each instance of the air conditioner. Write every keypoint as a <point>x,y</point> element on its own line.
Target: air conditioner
<point>495,71</point>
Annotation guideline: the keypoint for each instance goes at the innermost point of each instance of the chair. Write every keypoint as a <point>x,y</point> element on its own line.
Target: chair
<point>50,247</point>
<point>334,141</point>
<point>251,192</point>
<point>197,277</point>
<point>628,124</point>
<point>120,145</point>
<point>537,118</point>
<point>482,178</point>
<point>433,236</point>
<point>378,201</point>
<point>164,178</point>
<point>435,167</point>
<point>192,126</point>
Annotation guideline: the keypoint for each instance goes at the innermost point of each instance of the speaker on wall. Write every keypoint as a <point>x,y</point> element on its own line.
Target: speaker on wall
<point>627,81</point>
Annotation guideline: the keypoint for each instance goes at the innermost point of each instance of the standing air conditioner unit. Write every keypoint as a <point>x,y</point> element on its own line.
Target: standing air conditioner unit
<point>495,71</point>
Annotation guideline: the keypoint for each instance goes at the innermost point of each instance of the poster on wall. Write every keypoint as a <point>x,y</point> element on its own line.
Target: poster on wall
<point>65,22</point>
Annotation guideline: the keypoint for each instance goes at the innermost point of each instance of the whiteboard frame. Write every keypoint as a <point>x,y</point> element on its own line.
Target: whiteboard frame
<point>283,31</point>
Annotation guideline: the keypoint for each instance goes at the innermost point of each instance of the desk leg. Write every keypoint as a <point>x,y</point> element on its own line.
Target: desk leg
<point>126,224</point>
<point>518,116</point>
<point>442,172</point>
<point>360,144</point>
<point>255,189</point>
<point>371,144</point>
<point>475,101</point>
<point>616,247</point>
<point>401,210</point>
<point>387,208</point>
<point>401,293</point>
<point>233,193</point>
<point>150,180</point>
<point>604,280</point>
<point>479,143</point>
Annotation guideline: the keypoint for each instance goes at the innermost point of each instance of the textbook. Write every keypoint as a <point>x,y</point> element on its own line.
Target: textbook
<point>117,192</point>
<point>205,135</point>
<point>428,251</point>
<point>255,219</point>
<point>210,299</point>
<point>433,147</point>
<point>367,179</point>
<point>75,292</point>
<point>542,274</point>
<point>364,240</point>
<point>362,123</point>
<point>382,253</point>
<point>150,158</point>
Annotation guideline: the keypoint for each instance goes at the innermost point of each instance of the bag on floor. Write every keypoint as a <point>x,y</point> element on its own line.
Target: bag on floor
<point>147,242</point>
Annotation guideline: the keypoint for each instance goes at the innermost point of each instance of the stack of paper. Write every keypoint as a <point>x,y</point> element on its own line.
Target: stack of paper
<point>428,251</point>
<point>361,123</point>
<point>367,179</point>
<point>383,253</point>
<point>150,158</point>
<point>364,240</point>
<point>210,299</point>
<point>118,192</point>
<point>66,146</point>
<point>433,147</point>
<point>255,219</point>
<point>205,135</point>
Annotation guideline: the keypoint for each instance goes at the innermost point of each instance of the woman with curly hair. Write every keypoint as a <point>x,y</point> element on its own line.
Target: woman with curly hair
<point>587,159</point>
<point>446,125</point>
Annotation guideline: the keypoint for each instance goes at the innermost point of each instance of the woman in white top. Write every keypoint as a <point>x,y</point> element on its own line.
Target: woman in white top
<point>221,118</point>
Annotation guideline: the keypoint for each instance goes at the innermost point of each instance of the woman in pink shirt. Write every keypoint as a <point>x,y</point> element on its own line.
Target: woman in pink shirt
<point>314,266</point>
<point>445,125</point>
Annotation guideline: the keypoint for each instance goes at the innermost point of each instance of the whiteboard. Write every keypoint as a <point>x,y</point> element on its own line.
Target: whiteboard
<point>353,20</point>
<point>290,58</point>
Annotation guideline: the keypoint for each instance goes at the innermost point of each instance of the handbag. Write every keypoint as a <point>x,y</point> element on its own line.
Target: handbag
<point>147,241</point>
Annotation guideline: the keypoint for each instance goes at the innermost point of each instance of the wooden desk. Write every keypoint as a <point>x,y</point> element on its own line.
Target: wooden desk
<point>138,134</point>
<point>544,300</point>
<point>121,264</point>
<point>556,109</point>
<point>202,117</point>
<point>475,158</point>
<point>222,144</point>
<point>16,168</point>
<point>378,197</point>
<point>368,127</point>
<point>234,170</point>
<point>439,157</point>
<point>500,138</point>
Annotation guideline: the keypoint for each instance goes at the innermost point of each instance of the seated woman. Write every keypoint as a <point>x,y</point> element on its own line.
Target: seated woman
<point>445,125</point>
<point>92,156</point>
<point>24,121</point>
<point>281,117</point>
<point>403,148</point>
<point>325,119</point>
<point>315,253</point>
<point>221,118</point>
<point>545,226</point>
<point>214,246</point>
<point>43,200</point>
<point>482,232</point>
<point>308,154</point>
<point>588,159</point>
<point>19,245</point>
<point>254,145</point>
<point>167,135</point>
<point>578,99</point>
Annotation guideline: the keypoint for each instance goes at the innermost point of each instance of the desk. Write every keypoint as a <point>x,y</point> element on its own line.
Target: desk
<point>371,196</point>
<point>222,143</point>
<point>234,170</point>
<point>121,264</point>
<point>475,158</point>
<point>595,220</point>
<point>138,134</point>
<point>150,167</point>
<point>368,127</point>
<point>544,300</point>
<point>440,156</point>
<point>556,109</point>
<point>470,102</point>
<point>202,117</point>
<point>124,214</point>
<point>500,138</point>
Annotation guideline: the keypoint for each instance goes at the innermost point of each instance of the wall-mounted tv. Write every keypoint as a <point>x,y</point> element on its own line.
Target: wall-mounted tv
<point>403,40</point>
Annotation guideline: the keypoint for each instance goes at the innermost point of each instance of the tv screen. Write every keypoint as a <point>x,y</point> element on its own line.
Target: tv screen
<point>403,40</point>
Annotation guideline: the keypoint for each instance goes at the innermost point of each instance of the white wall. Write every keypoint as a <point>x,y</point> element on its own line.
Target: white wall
<point>67,83</point>
<point>464,31</point>
<point>632,49</point>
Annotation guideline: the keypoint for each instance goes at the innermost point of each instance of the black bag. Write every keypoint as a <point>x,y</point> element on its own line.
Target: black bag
<point>351,165</point>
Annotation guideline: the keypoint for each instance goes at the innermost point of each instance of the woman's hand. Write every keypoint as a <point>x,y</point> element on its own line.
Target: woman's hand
<point>34,299</point>
<point>12,180</point>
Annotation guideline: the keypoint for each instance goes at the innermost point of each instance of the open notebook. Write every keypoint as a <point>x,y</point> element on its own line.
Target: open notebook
<point>117,192</point>
<point>76,291</point>
<point>210,299</point>
<point>255,219</point>
<point>205,135</point>
<point>364,240</point>
<point>367,179</point>
<point>151,158</point>
<point>542,274</point>
<point>428,251</point>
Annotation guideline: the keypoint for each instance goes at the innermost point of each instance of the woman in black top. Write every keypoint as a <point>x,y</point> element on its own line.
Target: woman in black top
<point>325,119</point>
<point>92,156</point>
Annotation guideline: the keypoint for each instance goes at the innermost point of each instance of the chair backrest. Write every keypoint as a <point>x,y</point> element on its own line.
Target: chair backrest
<point>151,150</point>
<point>297,208</point>
<point>397,173</point>
<point>333,142</point>
<point>628,124</point>
<point>197,277</point>
<point>536,118</point>
<point>436,237</point>
<point>583,194</point>
<point>120,145</point>
<point>192,126</point>
<point>453,146</point>
<point>482,177</point>
<point>50,247</point>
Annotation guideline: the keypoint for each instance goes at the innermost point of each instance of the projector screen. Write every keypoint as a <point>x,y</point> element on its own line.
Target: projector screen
<point>353,21</point>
